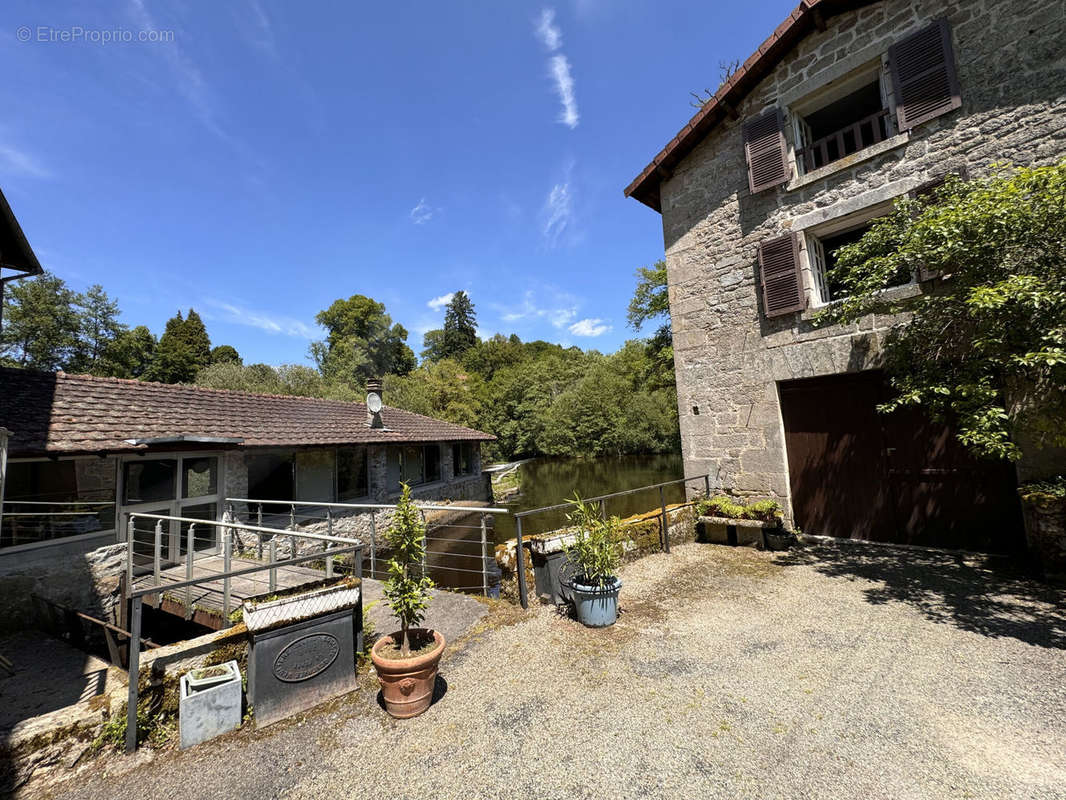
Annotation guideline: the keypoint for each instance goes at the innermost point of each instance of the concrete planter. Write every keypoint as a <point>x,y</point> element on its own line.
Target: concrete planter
<point>1045,533</point>
<point>209,704</point>
<point>260,615</point>
<point>742,532</point>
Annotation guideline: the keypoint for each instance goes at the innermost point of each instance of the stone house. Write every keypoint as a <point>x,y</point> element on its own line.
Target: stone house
<point>83,451</point>
<point>847,106</point>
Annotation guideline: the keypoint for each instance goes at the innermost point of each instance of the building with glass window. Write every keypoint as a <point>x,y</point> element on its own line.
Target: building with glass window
<point>83,451</point>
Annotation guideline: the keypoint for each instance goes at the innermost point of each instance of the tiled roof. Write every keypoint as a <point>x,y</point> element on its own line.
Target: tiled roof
<point>809,15</point>
<point>60,413</point>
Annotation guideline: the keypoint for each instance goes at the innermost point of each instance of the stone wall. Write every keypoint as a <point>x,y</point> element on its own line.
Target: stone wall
<point>728,356</point>
<point>83,575</point>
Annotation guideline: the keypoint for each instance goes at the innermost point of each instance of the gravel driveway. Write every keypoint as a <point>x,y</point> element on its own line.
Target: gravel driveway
<point>849,671</point>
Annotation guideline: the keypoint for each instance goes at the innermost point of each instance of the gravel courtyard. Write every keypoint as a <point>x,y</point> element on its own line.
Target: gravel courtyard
<point>845,671</point>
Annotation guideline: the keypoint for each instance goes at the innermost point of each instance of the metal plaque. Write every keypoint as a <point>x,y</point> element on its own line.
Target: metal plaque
<point>306,657</point>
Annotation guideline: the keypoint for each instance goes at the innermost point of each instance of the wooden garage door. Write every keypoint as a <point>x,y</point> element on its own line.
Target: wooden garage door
<point>900,478</point>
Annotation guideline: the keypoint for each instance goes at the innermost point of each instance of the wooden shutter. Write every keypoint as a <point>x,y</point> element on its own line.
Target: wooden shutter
<point>779,267</point>
<point>923,75</point>
<point>764,150</point>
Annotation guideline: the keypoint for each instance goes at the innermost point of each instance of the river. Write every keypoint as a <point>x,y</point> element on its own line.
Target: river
<point>550,481</point>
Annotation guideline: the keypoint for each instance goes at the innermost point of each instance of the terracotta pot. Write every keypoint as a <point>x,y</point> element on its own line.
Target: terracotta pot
<point>407,683</point>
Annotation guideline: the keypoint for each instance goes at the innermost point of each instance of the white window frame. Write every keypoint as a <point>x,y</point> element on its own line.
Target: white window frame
<point>833,91</point>
<point>171,508</point>
<point>115,531</point>
<point>814,253</point>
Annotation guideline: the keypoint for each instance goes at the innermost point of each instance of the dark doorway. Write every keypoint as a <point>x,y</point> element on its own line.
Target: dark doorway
<point>859,474</point>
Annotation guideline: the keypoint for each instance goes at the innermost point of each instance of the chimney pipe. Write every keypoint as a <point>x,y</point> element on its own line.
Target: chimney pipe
<point>373,401</point>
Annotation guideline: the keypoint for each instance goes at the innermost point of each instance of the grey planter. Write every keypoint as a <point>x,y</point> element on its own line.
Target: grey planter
<point>209,707</point>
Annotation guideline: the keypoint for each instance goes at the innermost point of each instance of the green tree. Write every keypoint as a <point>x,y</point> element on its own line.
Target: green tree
<point>650,299</point>
<point>98,330</point>
<point>41,323</point>
<point>460,326</point>
<point>130,353</point>
<point>985,348</point>
<point>407,588</point>
<point>173,360</point>
<point>433,345</point>
<point>361,342</point>
<point>195,335</point>
<point>224,354</point>
<point>442,389</point>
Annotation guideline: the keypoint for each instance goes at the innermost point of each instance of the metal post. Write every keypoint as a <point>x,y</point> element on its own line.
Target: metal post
<point>707,485</point>
<point>227,559</point>
<point>666,521</point>
<point>190,546</point>
<point>357,566</point>
<point>373,543</point>
<point>329,521</point>
<point>134,675</point>
<point>484,556</point>
<point>603,509</point>
<point>157,557</point>
<point>522,598</point>
<point>329,561</point>
<point>273,585</point>
<point>292,517</point>
<point>130,531</point>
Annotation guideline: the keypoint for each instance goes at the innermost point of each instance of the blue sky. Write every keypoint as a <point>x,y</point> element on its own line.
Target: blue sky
<point>270,157</point>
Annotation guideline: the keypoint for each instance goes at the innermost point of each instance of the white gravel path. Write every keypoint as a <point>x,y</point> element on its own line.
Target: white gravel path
<point>832,672</point>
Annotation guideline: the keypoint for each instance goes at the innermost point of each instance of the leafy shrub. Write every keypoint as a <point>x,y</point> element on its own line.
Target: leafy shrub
<point>722,506</point>
<point>595,550</point>
<point>1052,489</point>
<point>407,587</point>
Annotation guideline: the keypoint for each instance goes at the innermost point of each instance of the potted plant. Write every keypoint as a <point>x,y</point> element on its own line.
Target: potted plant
<point>1044,508</point>
<point>593,555</point>
<point>406,660</point>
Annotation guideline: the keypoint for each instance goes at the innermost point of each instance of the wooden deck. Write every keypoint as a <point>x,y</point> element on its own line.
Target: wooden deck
<point>205,599</point>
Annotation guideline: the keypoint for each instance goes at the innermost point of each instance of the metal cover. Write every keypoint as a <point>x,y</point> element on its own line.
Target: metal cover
<point>306,657</point>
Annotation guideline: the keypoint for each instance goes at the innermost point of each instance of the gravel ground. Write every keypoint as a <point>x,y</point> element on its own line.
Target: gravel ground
<point>832,672</point>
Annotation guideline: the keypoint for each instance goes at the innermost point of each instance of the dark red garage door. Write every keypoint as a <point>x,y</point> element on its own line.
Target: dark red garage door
<point>900,478</point>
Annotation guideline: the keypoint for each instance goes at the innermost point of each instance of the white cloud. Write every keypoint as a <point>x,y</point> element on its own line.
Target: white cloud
<point>564,87</point>
<point>422,212</point>
<point>264,321</point>
<point>21,163</point>
<point>560,313</point>
<point>437,303</point>
<point>257,28</point>
<point>558,212</point>
<point>189,79</point>
<point>548,32</point>
<point>551,37</point>
<point>589,327</point>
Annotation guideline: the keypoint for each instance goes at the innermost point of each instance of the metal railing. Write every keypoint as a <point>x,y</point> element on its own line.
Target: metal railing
<point>55,520</point>
<point>817,153</point>
<point>602,500</point>
<point>157,585</point>
<point>454,569</point>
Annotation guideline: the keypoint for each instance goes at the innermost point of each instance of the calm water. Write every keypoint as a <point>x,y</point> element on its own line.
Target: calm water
<point>454,550</point>
<point>549,481</point>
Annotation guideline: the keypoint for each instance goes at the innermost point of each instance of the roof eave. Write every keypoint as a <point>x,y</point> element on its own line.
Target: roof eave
<point>24,261</point>
<point>807,16</point>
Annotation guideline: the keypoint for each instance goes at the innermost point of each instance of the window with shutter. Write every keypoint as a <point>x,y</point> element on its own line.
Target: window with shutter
<point>779,267</point>
<point>764,150</point>
<point>923,75</point>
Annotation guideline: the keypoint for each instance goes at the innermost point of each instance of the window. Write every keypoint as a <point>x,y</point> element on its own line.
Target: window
<point>45,500</point>
<point>823,246</point>
<point>463,458</point>
<point>149,480</point>
<point>845,117</point>
<point>432,462</point>
<point>352,474</point>
<point>314,475</point>
<point>199,476</point>
<point>412,464</point>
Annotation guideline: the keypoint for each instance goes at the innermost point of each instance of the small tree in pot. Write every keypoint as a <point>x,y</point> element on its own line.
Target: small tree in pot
<point>406,661</point>
<point>594,555</point>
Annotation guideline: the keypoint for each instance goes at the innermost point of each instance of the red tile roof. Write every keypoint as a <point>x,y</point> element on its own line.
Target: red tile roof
<point>809,15</point>
<point>59,413</point>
